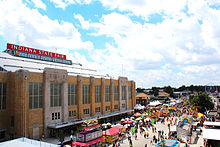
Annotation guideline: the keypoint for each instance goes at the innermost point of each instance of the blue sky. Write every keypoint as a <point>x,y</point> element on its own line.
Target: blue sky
<point>157,42</point>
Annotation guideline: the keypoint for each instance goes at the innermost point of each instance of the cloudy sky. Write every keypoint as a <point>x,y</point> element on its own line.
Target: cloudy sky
<point>153,42</point>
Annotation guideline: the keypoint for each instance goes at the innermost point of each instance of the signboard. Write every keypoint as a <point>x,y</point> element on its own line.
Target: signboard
<point>36,54</point>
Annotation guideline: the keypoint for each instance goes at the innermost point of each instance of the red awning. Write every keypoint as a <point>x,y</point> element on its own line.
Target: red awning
<point>111,132</point>
<point>90,126</point>
<point>88,143</point>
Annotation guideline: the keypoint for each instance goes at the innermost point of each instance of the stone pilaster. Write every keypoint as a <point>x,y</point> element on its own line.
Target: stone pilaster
<point>92,96</point>
<point>79,96</point>
<point>102,95</point>
<point>112,94</point>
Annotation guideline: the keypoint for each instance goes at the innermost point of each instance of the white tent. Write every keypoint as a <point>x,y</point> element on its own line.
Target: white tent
<point>213,134</point>
<point>25,142</point>
<point>139,107</point>
<point>155,103</point>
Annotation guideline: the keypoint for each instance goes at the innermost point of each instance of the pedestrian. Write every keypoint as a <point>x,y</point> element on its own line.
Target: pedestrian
<point>130,141</point>
<point>144,134</point>
<point>145,145</point>
<point>119,144</point>
<point>135,136</point>
<point>147,134</point>
<point>162,132</point>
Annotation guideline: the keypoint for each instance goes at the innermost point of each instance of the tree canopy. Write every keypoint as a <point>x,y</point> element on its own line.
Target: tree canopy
<point>169,90</point>
<point>201,101</point>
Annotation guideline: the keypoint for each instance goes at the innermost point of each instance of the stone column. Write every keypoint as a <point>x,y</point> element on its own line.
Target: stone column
<point>92,96</point>
<point>112,94</point>
<point>133,94</point>
<point>21,102</point>
<point>79,96</point>
<point>102,95</point>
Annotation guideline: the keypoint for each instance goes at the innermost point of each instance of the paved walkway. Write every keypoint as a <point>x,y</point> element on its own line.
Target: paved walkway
<point>141,141</point>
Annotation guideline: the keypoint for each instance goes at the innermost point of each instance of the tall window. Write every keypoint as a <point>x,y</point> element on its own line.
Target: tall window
<point>55,95</point>
<point>129,92</point>
<point>116,93</point>
<point>107,93</point>
<point>86,94</point>
<point>123,94</point>
<point>35,95</point>
<point>72,94</point>
<point>97,94</point>
<point>2,96</point>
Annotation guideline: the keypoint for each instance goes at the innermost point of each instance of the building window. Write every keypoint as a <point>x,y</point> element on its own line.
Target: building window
<point>55,95</point>
<point>72,94</point>
<point>107,108</point>
<point>2,96</point>
<point>35,95</point>
<point>52,116</point>
<point>69,113</point>
<point>115,106</point>
<point>123,105</point>
<point>58,115</point>
<point>72,113</point>
<point>116,93</point>
<point>107,93</point>
<point>86,94</point>
<point>129,92</point>
<point>123,94</point>
<point>85,111</point>
<point>97,94</point>
<point>97,109</point>
<point>55,115</point>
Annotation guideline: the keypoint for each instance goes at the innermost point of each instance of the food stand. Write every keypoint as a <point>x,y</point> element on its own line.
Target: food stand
<point>91,135</point>
<point>112,134</point>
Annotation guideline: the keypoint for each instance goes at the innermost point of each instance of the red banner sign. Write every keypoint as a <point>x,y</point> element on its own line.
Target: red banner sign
<point>35,51</point>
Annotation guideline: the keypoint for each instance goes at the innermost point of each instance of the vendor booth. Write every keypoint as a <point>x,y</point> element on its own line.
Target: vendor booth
<point>90,136</point>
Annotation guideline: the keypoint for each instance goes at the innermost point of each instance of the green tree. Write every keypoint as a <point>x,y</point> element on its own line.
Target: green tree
<point>155,91</point>
<point>169,90</point>
<point>201,101</point>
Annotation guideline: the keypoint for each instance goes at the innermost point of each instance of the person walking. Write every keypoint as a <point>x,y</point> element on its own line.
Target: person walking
<point>135,136</point>
<point>145,134</point>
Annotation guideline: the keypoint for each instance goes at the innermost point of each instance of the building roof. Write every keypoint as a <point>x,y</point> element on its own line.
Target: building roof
<point>211,134</point>
<point>13,63</point>
<point>163,94</point>
<point>142,95</point>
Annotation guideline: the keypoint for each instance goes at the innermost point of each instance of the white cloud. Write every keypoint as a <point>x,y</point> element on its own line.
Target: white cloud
<point>39,4</point>
<point>31,28</point>
<point>182,49</point>
<point>85,24</point>
<point>180,42</point>
<point>147,7</point>
<point>60,3</point>
<point>64,3</point>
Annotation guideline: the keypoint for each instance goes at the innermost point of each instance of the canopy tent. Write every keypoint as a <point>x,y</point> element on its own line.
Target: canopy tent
<point>154,103</point>
<point>137,114</point>
<point>89,143</point>
<point>168,143</point>
<point>25,142</point>
<point>139,107</point>
<point>211,134</point>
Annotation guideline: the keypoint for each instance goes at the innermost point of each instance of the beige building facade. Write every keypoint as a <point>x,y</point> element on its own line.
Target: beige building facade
<point>32,103</point>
